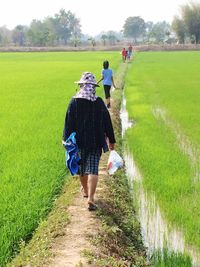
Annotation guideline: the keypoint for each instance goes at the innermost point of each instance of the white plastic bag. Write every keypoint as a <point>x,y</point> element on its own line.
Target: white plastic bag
<point>114,162</point>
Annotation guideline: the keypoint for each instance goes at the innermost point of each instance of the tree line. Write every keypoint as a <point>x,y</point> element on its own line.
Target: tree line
<point>56,30</point>
<point>64,28</point>
<point>184,28</point>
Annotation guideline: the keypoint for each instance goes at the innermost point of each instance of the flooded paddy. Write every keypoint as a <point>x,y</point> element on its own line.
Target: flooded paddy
<point>165,243</point>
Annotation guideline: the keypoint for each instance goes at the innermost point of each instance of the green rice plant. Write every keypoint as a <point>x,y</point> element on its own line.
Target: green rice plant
<point>170,259</point>
<point>35,89</point>
<point>167,80</point>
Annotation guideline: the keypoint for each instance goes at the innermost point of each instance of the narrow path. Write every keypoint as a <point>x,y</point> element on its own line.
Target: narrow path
<point>68,249</point>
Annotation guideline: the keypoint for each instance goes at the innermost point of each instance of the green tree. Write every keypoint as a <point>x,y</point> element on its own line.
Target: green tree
<point>160,30</point>
<point>178,26</point>
<point>148,30</point>
<point>92,40</point>
<point>75,41</point>
<point>103,38</point>
<point>66,25</point>
<point>38,34</point>
<point>5,36</point>
<point>112,38</point>
<point>59,29</point>
<point>134,27</point>
<point>19,35</point>
<point>191,17</point>
<point>51,36</point>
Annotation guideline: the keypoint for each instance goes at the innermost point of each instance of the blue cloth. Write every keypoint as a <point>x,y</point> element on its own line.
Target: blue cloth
<point>107,76</point>
<point>72,157</point>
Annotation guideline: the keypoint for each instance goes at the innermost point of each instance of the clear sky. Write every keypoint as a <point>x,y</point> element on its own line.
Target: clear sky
<point>95,16</point>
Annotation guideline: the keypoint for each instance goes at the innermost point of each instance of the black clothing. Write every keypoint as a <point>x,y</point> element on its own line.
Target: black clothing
<point>107,90</point>
<point>91,121</point>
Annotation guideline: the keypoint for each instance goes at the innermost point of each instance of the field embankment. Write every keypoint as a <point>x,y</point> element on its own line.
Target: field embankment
<point>118,47</point>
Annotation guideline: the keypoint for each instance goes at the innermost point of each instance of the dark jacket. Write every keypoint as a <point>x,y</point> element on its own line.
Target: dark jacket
<point>91,121</point>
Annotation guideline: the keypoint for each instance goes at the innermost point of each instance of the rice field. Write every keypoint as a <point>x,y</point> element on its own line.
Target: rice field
<point>162,93</point>
<point>35,89</point>
<point>163,96</point>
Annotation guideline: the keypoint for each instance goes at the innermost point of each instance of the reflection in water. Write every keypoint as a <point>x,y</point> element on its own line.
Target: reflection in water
<point>157,234</point>
<point>125,122</point>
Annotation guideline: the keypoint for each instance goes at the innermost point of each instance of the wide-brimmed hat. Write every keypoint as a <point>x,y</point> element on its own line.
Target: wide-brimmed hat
<point>87,78</point>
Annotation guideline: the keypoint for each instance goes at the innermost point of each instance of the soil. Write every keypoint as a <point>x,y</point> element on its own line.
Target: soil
<point>68,249</point>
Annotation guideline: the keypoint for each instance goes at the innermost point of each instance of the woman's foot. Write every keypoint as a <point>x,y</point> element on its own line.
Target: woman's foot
<point>92,206</point>
<point>108,105</point>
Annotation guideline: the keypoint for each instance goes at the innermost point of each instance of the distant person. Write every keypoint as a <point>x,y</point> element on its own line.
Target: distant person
<point>130,51</point>
<point>108,81</point>
<point>127,55</point>
<point>88,117</point>
<point>123,55</point>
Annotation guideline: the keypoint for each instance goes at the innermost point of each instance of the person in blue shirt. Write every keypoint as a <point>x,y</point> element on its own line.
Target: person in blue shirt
<point>108,81</point>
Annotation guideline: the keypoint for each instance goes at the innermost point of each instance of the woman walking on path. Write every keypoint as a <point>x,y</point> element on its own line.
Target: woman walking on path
<point>124,55</point>
<point>108,81</point>
<point>89,118</point>
<point>130,51</point>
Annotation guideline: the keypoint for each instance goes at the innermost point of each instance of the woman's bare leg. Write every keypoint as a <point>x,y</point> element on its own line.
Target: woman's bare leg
<point>84,183</point>
<point>107,101</point>
<point>92,185</point>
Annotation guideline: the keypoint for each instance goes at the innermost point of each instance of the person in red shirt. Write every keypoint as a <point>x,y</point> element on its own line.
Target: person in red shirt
<point>124,55</point>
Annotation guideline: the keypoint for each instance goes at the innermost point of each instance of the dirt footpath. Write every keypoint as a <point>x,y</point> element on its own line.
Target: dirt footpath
<point>84,224</point>
<point>69,249</point>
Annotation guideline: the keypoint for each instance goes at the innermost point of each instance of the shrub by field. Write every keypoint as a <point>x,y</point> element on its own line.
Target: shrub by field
<point>163,97</point>
<point>35,89</point>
